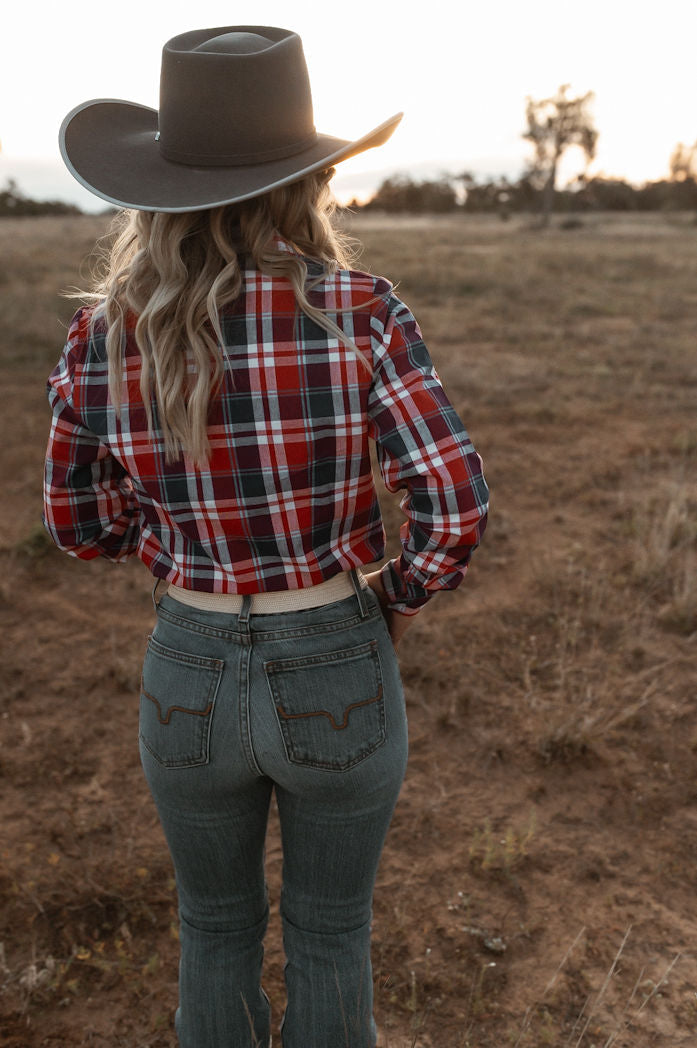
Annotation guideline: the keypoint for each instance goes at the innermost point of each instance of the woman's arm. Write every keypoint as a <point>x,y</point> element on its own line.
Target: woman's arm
<point>423,448</point>
<point>90,507</point>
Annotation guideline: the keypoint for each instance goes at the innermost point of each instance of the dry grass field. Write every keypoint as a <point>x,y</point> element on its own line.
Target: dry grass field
<point>538,884</point>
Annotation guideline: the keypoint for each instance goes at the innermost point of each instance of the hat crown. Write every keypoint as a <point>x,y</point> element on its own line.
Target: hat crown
<point>235,44</point>
<point>234,95</point>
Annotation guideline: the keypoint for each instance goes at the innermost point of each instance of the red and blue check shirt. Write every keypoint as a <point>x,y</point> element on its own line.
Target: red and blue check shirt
<point>287,499</point>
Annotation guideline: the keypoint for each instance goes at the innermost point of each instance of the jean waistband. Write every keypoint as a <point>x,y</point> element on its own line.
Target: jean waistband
<point>337,588</point>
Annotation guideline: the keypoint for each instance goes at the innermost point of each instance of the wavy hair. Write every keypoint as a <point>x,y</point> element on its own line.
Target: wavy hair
<point>176,272</point>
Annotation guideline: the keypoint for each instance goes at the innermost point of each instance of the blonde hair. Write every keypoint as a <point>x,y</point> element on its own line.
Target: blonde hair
<point>175,272</point>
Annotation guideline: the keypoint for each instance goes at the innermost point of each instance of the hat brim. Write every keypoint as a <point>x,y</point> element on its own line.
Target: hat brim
<point>109,146</point>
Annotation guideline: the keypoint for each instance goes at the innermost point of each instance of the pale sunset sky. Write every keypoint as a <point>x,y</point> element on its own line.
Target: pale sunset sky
<point>459,70</point>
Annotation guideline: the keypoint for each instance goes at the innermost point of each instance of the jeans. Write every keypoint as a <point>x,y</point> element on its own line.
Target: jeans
<point>309,704</point>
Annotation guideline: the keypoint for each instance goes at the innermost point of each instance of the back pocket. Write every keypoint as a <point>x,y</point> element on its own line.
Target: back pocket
<point>330,707</point>
<point>177,695</point>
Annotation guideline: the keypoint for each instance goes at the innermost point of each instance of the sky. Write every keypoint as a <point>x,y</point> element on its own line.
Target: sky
<point>460,70</point>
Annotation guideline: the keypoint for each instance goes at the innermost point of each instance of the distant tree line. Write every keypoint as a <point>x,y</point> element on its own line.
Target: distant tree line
<point>554,125</point>
<point>400,193</point>
<point>13,203</point>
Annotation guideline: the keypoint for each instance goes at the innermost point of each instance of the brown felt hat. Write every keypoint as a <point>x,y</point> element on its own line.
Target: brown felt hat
<point>235,121</point>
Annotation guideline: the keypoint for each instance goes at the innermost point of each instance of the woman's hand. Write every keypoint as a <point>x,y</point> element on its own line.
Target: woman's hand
<point>396,624</point>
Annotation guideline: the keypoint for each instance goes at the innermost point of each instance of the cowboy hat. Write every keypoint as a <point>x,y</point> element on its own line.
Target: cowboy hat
<point>235,121</point>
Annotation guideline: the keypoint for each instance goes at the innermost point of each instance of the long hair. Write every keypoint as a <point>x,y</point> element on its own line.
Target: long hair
<point>175,272</point>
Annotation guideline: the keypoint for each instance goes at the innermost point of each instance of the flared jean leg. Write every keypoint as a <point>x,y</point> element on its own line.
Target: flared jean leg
<point>220,994</point>
<point>217,846</point>
<point>332,847</point>
<point>330,988</point>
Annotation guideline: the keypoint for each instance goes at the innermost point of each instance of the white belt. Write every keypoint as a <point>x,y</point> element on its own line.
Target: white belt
<point>337,588</point>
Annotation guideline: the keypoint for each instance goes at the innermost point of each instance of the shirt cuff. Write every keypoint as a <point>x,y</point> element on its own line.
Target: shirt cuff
<point>389,575</point>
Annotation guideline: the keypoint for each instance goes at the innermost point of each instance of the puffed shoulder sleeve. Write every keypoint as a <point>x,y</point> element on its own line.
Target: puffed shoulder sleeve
<point>422,447</point>
<point>90,507</point>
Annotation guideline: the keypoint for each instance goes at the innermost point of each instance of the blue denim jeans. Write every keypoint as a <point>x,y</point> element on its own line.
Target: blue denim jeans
<point>309,704</point>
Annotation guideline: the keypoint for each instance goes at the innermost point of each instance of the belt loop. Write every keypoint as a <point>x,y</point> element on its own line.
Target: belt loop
<point>155,601</point>
<point>243,618</point>
<point>362,603</point>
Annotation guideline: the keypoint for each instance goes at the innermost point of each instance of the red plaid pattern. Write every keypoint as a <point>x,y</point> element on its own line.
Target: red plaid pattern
<point>287,499</point>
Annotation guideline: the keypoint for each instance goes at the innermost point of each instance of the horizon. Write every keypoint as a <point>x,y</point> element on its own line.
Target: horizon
<point>48,181</point>
<point>463,91</point>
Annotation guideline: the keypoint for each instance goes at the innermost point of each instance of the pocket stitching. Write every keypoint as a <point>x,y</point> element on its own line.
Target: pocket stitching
<point>276,668</point>
<point>174,709</point>
<point>214,670</point>
<point>328,715</point>
<point>299,662</point>
<point>205,661</point>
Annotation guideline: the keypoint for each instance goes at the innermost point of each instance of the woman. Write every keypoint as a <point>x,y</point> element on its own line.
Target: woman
<point>212,414</point>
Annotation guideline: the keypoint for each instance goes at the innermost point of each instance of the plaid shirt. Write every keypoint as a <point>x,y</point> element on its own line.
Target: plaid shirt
<point>287,499</point>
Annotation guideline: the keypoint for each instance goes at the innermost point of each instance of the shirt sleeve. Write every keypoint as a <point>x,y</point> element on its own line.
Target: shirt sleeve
<point>423,447</point>
<point>90,507</point>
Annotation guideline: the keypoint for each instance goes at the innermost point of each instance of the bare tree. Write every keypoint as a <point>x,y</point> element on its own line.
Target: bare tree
<point>683,162</point>
<point>555,124</point>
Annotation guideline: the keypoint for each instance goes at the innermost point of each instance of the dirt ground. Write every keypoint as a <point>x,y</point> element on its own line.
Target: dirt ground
<point>538,882</point>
